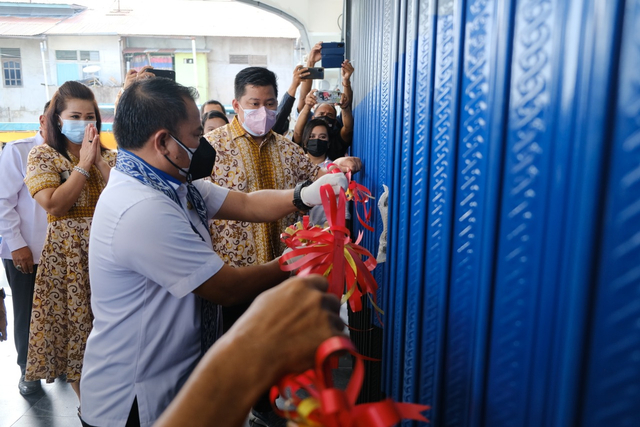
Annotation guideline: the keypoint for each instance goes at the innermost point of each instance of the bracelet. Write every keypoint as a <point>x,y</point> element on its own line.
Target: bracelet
<point>82,171</point>
<point>297,199</point>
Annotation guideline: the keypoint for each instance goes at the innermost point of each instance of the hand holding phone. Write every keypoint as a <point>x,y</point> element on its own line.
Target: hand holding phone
<point>330,96</point>
<point>315,73</point>
<point>332,54</point>
<point>168,74</point>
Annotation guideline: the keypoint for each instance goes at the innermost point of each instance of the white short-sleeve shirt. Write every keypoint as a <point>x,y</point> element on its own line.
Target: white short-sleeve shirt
<point>145,260</point>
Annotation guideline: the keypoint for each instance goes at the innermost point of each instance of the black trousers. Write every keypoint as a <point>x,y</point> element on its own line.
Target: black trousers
<point>22,296</point>
<point>132,421</point>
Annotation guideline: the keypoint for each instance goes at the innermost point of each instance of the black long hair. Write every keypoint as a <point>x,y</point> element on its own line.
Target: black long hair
<point>52,132</point>
<point>309,127</point>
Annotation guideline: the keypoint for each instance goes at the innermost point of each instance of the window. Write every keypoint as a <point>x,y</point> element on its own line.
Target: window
<point>258,60</point>
<point>80,65</point>
<point>67,55</point>
<point>90,55</point>
<point>73,55</point>
<point>11,67</point>
<point>255,60</point>
<point>239,59</point>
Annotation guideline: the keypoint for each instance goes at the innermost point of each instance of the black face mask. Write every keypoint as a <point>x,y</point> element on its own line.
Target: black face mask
<point>202,160</point>
<point>317,147</point>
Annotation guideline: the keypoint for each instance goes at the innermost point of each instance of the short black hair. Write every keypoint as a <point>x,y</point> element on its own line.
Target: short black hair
<point>46,107</point>
<point>148,106</point>
<point>211,102</point>
<point>255,76</point>
<point>213,114</point>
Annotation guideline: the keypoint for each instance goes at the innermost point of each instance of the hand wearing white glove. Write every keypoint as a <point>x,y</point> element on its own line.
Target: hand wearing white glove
<point>311,195</point>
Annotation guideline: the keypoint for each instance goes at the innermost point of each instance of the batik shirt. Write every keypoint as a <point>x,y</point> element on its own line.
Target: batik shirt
<point>244,165</point>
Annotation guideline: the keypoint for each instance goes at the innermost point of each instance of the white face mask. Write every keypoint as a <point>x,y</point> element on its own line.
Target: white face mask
<point>74,129</point>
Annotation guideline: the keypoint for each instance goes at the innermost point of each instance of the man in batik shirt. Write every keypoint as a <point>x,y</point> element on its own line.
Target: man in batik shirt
<point>251,157</point>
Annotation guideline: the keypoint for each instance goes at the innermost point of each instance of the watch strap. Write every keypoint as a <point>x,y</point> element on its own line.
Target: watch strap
<point>297,199</point>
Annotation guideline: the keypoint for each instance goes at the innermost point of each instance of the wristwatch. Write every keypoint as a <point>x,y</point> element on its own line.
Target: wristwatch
<point>297,200</point>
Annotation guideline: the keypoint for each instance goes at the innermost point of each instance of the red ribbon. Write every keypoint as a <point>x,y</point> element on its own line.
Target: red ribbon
<point>357,193</point>
<point>330,407</point>
<point>330,252</point>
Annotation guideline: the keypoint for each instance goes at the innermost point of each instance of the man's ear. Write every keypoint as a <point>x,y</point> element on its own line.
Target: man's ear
<point>159,139</point>
<point>236,106</point>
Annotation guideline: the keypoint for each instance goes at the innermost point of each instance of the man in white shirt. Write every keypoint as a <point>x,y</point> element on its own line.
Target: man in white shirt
<point>151,255</point>
<point>23,225</point>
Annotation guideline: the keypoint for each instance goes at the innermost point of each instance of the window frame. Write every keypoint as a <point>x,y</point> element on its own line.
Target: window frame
<point>19,77</point>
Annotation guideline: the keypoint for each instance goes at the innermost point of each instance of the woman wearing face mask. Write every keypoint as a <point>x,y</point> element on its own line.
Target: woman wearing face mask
<point>65,176</point>
<point>315,141</point>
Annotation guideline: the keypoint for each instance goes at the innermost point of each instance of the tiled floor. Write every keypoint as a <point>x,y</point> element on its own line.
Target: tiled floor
<point>55,405</point>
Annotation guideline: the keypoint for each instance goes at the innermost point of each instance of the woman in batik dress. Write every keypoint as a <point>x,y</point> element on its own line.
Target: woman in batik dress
<point>65,175</point>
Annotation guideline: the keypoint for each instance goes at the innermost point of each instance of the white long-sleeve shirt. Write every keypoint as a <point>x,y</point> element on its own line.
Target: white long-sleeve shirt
<point>23,222</point>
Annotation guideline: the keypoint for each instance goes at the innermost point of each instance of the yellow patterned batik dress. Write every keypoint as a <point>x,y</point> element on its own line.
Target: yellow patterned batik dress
<point>61,317</point>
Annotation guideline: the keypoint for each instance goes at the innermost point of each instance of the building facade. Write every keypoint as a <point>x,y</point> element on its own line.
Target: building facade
<point>42,46</point>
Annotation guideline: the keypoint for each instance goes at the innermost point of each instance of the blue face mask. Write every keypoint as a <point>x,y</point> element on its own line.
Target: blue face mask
<point>74,129</point>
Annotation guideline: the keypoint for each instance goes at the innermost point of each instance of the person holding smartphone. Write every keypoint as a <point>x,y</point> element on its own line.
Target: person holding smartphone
<point>281,126</point>
<point>341,136</point>
<point>341,127</point>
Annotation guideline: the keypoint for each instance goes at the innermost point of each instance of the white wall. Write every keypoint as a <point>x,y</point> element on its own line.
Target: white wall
<point>279,51</point>
<point>18,104</point>
<point>164,42</point>
<point>25,104</point>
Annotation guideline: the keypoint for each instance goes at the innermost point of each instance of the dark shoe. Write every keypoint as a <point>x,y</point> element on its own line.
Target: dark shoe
<point>28,387</point>
<point>266,419</point>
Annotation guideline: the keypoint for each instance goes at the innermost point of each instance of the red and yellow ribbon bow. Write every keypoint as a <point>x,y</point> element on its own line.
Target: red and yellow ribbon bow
<point>327,406</point>
<point>357,193</point>
<point>330,252</point>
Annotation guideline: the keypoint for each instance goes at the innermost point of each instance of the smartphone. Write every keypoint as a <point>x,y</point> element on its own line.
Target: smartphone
<point>332,54</point>
<point>315,73</point>
<point>330,96</point>
<point>168,74</point>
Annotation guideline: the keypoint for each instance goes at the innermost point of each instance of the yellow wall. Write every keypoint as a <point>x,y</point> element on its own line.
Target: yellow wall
<point>184,72</point>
